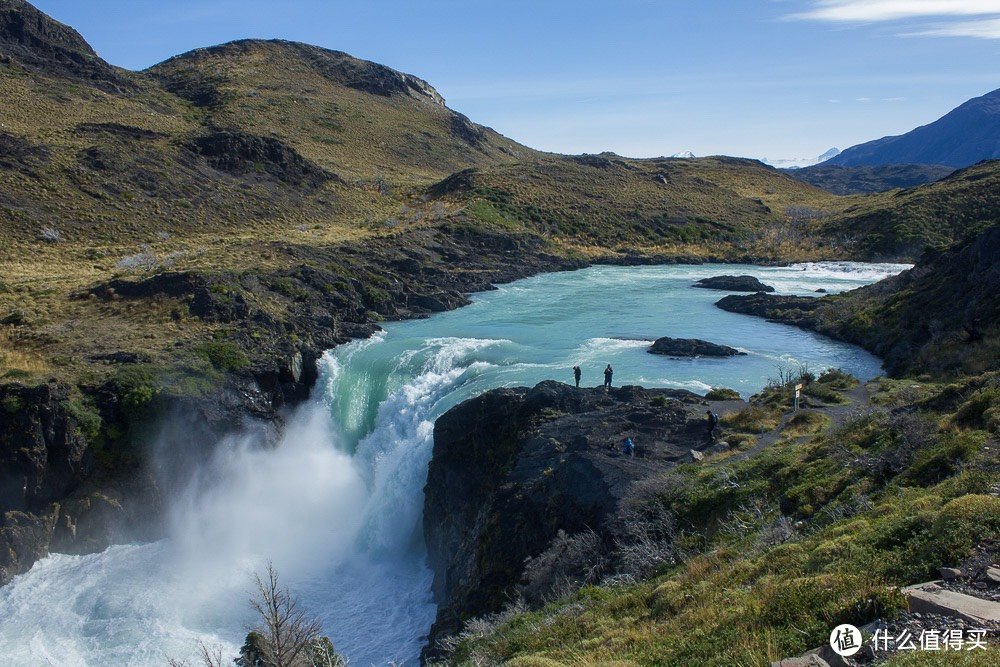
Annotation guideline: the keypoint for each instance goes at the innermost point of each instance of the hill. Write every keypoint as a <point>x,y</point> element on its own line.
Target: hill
<point>903,223</point>
<point>265,156</point>
<point>964,136</point>
<point>869,179</point>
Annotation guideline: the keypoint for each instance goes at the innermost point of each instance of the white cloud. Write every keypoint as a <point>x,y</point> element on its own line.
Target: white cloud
<point>982,29</point>
<point>891,10</point>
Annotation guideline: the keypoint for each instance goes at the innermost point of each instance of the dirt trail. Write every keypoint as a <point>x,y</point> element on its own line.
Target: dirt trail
<point>859,401</point>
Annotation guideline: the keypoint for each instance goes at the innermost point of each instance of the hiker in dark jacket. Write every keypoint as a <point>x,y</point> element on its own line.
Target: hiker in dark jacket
<point>712,423</point>
<point>608,373</point>
<point>576,375</point>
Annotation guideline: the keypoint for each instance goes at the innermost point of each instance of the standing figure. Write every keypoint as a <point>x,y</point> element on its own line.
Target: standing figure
<point>608,373</point>
<point>628,449</point>
<point>712,423</point>
<point>576,375</point>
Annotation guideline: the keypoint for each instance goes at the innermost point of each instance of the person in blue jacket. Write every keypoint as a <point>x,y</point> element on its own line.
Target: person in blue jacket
<point>629,448</point>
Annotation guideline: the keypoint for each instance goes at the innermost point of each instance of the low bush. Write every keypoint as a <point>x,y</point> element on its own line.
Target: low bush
<point>723,394</point>
<point>225,356</point>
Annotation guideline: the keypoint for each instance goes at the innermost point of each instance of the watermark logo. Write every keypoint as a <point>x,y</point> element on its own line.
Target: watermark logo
<point>845,640</point>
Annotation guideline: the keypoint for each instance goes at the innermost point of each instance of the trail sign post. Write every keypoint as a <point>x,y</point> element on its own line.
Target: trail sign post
<point>798,392</point>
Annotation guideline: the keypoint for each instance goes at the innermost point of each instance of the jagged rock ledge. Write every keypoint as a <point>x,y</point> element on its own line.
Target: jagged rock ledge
<point>513,469</point>
<point>691,347</point>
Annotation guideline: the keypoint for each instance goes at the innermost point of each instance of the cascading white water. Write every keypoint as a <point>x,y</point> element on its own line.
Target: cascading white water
<point>339,518</point>
<point>336,506</point>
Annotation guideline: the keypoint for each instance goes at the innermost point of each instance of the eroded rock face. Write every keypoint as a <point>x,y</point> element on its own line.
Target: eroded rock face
<point>691,347</point>
<point>515,469</point>
<point>242,154</point>
<point>42,457</point>
<point>42,44</point>
<point>42,453</point>
<point>734,284</point>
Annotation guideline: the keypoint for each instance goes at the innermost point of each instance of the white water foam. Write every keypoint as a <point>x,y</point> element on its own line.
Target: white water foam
<point>342,528</point>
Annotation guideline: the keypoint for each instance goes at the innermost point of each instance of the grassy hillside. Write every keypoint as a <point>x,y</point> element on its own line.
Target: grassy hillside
<point>756,556</point>
<point>358,119</point>
<point>869,179</point>
<point>904,223</point>
<point>604,204</point>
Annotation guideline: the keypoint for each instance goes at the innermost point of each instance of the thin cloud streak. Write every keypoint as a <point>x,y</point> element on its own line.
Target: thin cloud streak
<point>860,11</point>
<point>984,29</point>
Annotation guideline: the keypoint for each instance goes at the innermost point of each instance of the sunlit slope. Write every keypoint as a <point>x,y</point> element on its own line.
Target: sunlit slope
<point>902,223</point>
<point>359,119</point>
<point>710,207</point>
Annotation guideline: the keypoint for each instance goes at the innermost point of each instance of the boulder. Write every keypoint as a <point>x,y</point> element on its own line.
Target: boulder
<point>932,598</point>
<point>691,347</point>
<point>734,284</point>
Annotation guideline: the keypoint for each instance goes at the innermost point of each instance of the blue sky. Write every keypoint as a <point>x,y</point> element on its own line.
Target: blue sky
<point>759,78</point>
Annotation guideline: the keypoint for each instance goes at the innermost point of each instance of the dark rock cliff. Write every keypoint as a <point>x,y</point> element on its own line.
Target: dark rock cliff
<point>515,469</point>
<point>42,44</point>
<point>77,479</point>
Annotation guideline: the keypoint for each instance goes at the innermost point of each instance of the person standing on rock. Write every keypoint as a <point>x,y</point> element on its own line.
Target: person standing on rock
<point>712,420</point>
<point>608,373</point>
<point>576,375</point>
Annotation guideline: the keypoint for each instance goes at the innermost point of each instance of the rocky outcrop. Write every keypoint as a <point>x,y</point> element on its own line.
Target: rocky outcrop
<point>515,469</point>
<point>44,45</point>
<point>42,453</point>
<point>691,347</point>
<point>243,154</point>
<point>734,284</point>
<point>787,309</point>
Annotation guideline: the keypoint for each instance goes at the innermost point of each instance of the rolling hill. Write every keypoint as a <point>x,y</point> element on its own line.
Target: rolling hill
<point>869,179</point>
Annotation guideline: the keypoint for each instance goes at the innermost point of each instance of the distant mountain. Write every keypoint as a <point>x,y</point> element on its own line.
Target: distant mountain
<point>801,162</point>
<point>963,137</point>
<point>866,180</point>
<point>685,155</point>
<point>832,153</point>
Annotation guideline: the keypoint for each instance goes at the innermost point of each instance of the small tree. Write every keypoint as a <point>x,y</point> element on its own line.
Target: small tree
<point>285,635</point>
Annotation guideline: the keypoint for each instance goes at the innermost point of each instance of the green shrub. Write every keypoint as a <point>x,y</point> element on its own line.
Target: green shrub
<point>136,388</point>
<point>659,402</point>
<point>824,392</point>
<point>723,394</point>
<point>982,410</point>
<point>838,379</point>
<point>963,523</point>
<point>12,404</point>
<point>753,419</point>
<point>87,419</point>
<point>943,459</point>
<point>224,355</point>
